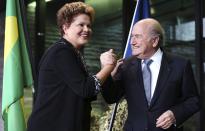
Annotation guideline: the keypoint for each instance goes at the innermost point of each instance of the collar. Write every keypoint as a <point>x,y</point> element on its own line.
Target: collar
<point>157,57</point>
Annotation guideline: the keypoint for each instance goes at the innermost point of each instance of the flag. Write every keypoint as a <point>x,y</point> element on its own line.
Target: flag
<point>17,72</point>
<point>142,10</point>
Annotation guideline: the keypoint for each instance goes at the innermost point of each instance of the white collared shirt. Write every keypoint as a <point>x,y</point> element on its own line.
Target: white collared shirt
<point>154,67</point>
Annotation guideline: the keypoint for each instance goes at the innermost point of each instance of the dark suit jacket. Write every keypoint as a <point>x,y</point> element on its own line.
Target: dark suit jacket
<point>175,90</point>
<point>64,92</point>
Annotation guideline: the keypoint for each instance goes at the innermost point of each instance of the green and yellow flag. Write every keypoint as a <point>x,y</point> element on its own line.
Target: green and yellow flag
<point>17,72</point>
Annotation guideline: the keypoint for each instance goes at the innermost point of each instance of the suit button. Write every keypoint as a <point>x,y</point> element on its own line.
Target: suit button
<point>146,129</point>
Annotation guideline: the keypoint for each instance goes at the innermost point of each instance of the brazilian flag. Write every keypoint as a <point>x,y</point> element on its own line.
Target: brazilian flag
<point>17,72</point>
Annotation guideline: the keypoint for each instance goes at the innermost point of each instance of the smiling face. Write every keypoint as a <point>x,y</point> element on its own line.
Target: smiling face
<point>143,44</point>
<point>79,31</point>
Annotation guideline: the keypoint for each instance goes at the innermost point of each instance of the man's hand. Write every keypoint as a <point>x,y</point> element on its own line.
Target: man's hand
<point>119,62</point>
<point>166,120</point>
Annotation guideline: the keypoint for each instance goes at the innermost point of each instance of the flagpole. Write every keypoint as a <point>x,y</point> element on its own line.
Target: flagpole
<point>113,116</point>
<point>128,40</point>
<point>124,55</point>
<point>28,42</point>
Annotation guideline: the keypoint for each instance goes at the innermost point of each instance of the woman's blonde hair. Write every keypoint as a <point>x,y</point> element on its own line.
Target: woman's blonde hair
<point>66,13</point>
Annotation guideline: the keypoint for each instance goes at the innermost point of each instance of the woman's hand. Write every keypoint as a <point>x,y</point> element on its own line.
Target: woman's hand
<point>108,59</point>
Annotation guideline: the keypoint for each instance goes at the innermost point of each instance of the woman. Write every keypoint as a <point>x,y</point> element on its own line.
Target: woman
<point>65,88</point>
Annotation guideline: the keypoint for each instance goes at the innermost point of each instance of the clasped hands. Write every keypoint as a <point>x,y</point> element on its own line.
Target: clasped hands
<point>108,59</point>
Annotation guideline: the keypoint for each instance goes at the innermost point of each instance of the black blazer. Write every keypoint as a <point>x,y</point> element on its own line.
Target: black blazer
<point>65,91</point>
<point>175,90</point>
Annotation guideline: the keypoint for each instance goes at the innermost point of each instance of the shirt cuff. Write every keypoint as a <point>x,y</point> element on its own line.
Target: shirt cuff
<point>97,84</point>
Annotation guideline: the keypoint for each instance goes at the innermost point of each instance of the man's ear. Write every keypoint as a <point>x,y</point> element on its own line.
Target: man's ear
<point>155,41</point>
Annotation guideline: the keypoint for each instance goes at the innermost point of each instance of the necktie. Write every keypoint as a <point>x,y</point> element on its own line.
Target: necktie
<point>147,79</point>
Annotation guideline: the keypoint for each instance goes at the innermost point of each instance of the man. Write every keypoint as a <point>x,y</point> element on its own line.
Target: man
<point>159,88</point>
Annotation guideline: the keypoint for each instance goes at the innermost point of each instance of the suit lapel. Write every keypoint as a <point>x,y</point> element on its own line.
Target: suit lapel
<point>162,78</point>
<point>137,68</point>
